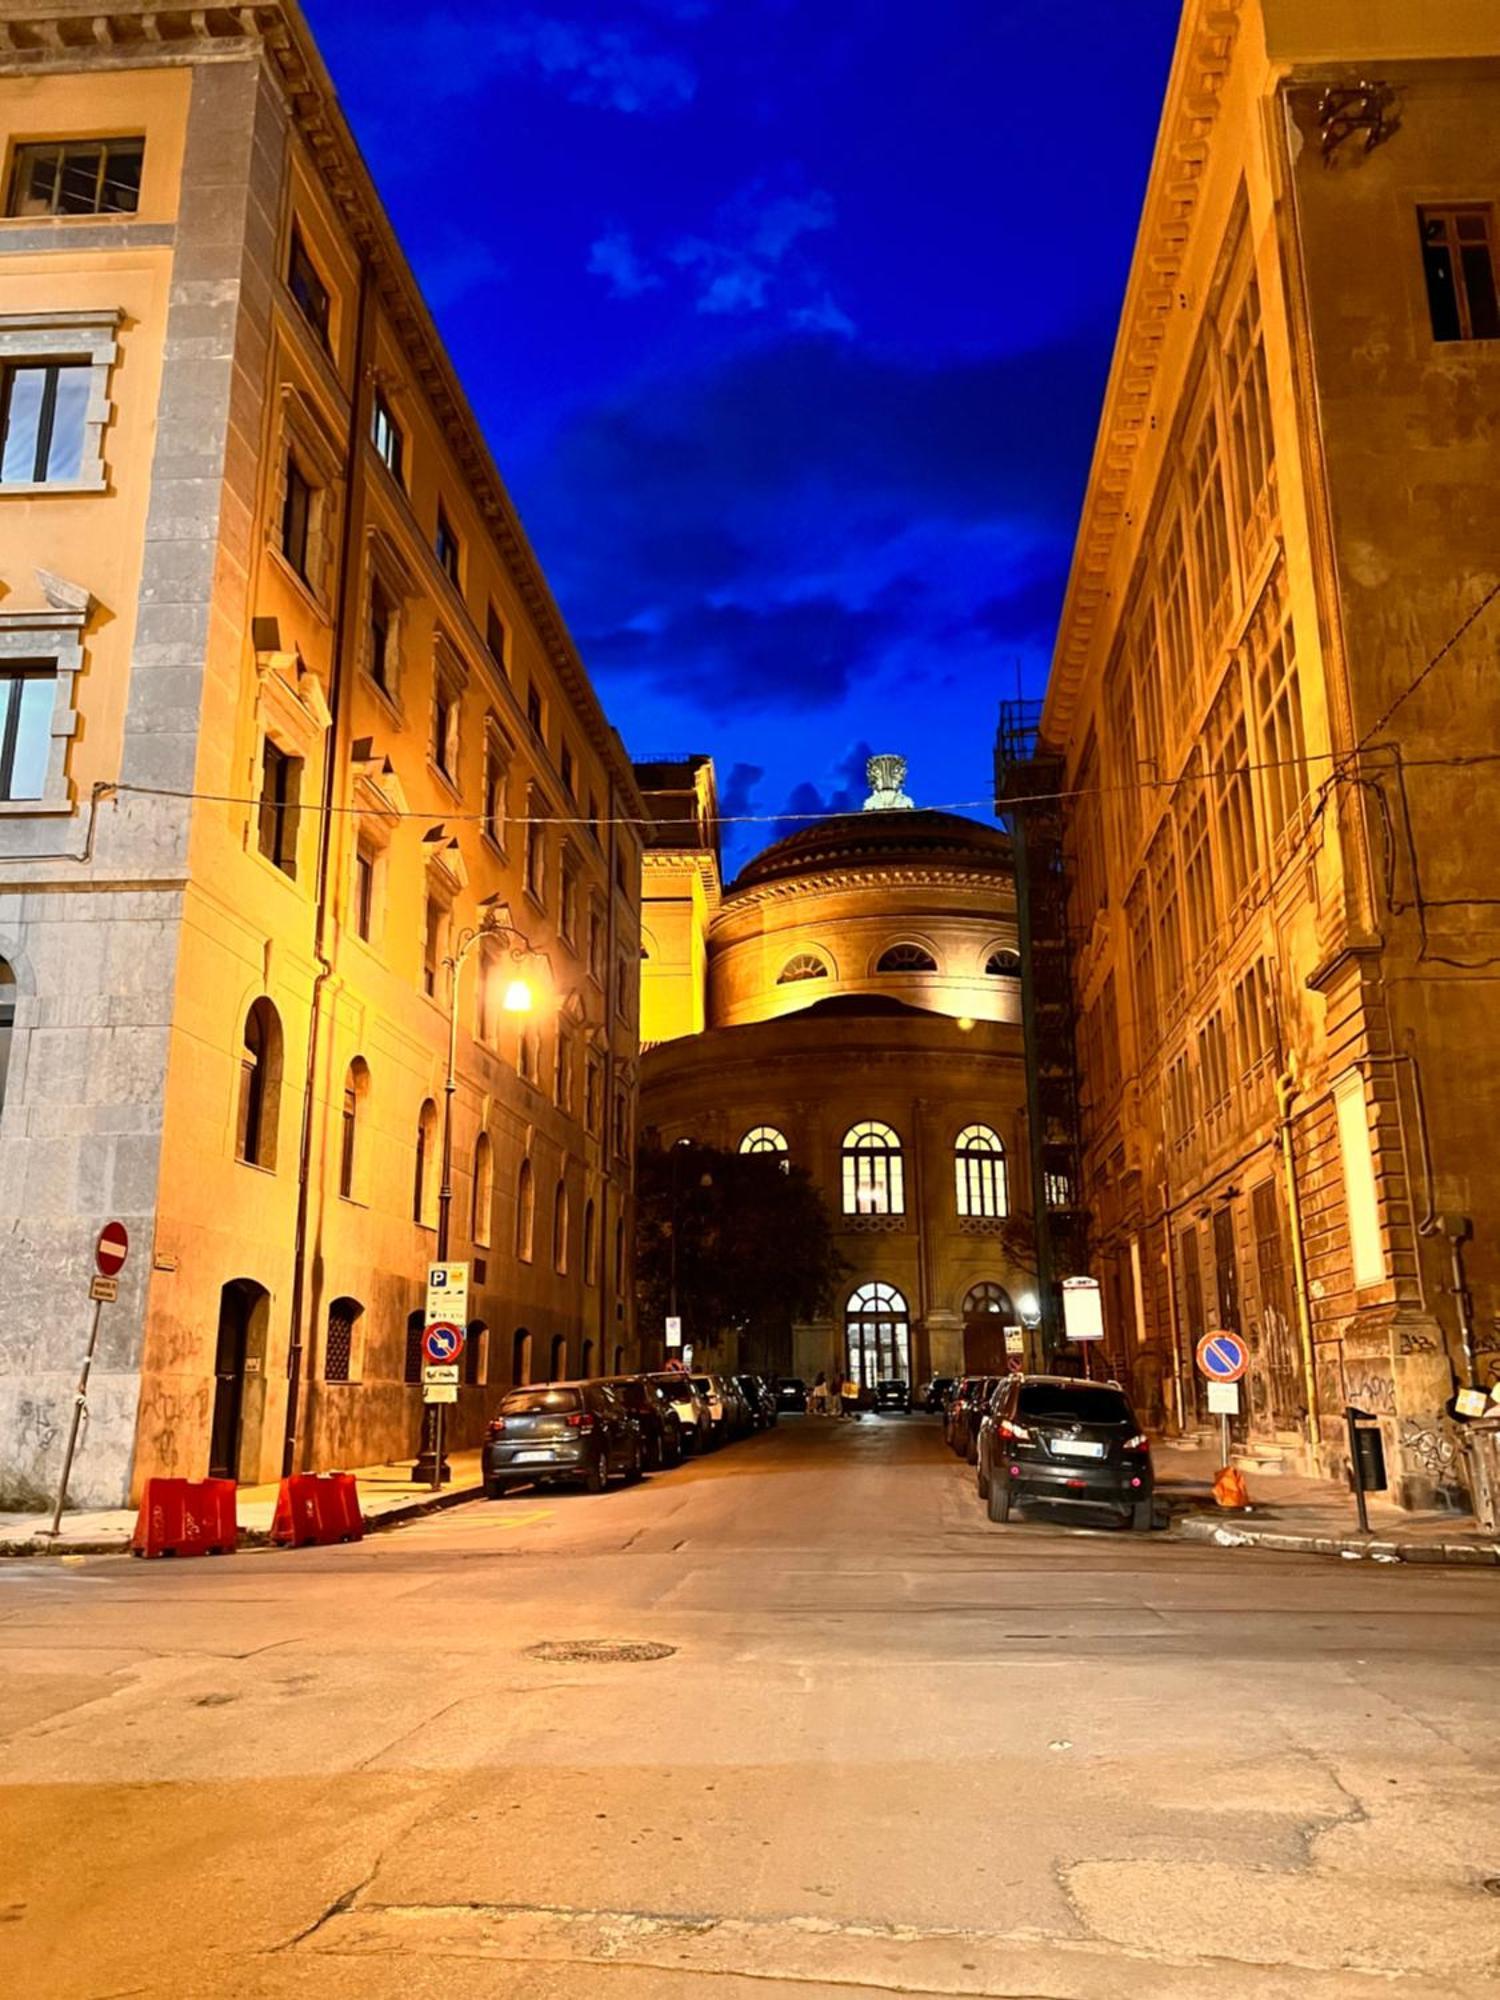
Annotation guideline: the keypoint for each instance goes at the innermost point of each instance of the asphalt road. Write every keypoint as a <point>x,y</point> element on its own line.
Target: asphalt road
<point>893,1750</point>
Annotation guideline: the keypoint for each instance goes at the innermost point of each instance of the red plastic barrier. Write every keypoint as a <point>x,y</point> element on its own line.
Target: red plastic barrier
<point>186,1517</point>
<point>317,1507</point>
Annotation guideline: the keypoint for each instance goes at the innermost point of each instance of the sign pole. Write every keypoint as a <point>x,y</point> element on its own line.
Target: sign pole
<point>80,1403</point>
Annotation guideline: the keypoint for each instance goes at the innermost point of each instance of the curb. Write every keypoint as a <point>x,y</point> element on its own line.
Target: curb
<point>252,1540</point>
<point>1223,1532</point>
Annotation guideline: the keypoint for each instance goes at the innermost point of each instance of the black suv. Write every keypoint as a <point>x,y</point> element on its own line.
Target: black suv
<point>969,1406</point>
<point>892,1394</point>
<point>1052,1437</point>
<point>656,1413</point>
<point>561,1430</point>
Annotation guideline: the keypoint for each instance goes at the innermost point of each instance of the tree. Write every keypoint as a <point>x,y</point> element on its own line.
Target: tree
<point>741,1240</point>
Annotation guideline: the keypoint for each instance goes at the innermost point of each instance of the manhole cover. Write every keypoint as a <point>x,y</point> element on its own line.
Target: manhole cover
<point>599,1649</point>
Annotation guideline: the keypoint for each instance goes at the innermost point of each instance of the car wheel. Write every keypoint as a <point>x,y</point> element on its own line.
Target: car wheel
<point>596,1478</point>
<point>495,1489</point>
<point>982,1479</point>
<point>999,1499</point>
<point>635,1468</point>
<point>656,1454</point>
<point>971,1451</point>
<point>1142,1516</point>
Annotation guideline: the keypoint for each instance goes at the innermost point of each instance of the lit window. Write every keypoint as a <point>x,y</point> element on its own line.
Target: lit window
<point>81,177</point>
<point>28,695</point>
<point>804,966</point>
<point>877,1336</point>
<point>874,1175</point>
<point>906,958</point>
<point>979,1166</point>
<point>1003,964</point>
<point>43,418</point>
<point>763,1139</point>
<point>1458,261</point>
<point>386,434</point>
<point>985,1298</point>
<point>307,288</point>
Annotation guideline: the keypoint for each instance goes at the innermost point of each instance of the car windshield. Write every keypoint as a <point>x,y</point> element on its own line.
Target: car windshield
<point>1074,1403</point>
<point>703,1385</point>
<point>679,1389</point>
<point>530,1402</point>
<point>793,1382</point>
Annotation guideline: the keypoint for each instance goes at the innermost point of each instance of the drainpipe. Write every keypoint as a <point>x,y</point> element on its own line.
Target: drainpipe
<point>1179,1388</point>
<point>337,647</point>
<point>1286,1090</point>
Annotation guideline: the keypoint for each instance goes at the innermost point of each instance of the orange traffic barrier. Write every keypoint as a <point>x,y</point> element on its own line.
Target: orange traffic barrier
<point>1230,1490</point>
<point>186,1517</point>
<point>317,1507</point>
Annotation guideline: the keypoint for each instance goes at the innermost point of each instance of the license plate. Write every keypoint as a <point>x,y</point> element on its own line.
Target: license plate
<point>1077,1448</point>
<point>532,1457</point>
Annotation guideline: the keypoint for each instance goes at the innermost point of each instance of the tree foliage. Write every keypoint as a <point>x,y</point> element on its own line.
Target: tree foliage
<point>754,1241</point>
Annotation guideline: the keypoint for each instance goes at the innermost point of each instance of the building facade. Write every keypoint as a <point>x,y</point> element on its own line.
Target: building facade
<point>288,708</point>
<point>1278,868</point>
<point>862,1018</point>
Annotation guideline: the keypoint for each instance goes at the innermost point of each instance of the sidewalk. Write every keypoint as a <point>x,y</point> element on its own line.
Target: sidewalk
<point>387,1495</point>
<point>1309,1516</point>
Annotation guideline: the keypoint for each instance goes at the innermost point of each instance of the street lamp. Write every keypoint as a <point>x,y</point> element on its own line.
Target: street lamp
<point>519,997</point>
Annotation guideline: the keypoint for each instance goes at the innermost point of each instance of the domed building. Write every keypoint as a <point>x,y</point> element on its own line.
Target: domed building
<point>852,1001</point>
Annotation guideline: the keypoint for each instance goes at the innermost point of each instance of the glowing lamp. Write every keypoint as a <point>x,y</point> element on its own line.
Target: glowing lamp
<point>518,997</point>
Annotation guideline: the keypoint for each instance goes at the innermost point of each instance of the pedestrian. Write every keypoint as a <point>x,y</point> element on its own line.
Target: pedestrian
<point>817,1402</point>
<point>850,1394</point>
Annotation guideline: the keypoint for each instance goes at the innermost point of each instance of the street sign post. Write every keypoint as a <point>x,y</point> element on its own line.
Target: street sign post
<point>111,1248</point>
<point>1223,1358</point>
<point>1083,1314</point>
<point>674,1331</point>
<point>442,1344</point>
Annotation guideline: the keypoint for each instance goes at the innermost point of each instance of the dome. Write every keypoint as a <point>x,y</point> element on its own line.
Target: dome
<point>871,839</point>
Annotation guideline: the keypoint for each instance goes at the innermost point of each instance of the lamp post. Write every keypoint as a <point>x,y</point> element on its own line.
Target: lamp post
<point>518,998</point>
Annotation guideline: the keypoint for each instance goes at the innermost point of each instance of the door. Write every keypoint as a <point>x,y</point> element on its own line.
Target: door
<point>1278,1374</point>
<point>237,1304</point>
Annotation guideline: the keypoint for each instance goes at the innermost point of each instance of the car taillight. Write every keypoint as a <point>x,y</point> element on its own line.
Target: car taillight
<point>1140,1442</point>
<point>1018,1432</point>
<point>497,1427</point>
<point>580,1422</point>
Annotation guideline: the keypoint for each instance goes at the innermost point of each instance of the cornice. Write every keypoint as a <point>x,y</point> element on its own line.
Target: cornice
<point>38,35</point>
<point>1190,113</point>
<point>839,881</point>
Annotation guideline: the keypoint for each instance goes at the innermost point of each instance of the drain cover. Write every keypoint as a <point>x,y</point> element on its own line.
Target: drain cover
<point>599,1649</point>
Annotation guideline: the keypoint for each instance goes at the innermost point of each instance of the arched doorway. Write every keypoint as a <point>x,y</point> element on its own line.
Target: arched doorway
<point>877,1335</point>
<point>520,1357</point>
<point>558,1368</point>
<point>242,1320</point>
<point>586,1365</point>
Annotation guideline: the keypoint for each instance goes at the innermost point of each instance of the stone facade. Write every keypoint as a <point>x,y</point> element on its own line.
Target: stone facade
<point>298,747</point>
<point>1282,871</point>
<point>808,1038</point>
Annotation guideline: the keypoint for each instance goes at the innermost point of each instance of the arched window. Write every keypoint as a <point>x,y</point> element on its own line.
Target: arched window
<point>338,1344</point>
<point>558,1371</point>
<point>260,1086</point>
<point>476,1352</point>
<point>874,1177</point>
<point>525,1213</point>
<point>484,1190</point>
<point>356,1089</point>
<point>424,1194</point>
<point>806,965</point>
<point>979,1168</point>
<point>877,1336</point>
<point>560,1227</point>
<point>7,1020</point>
<point>985,1298</point>
<point>416,1326</point>
<point>1003,964</point>
<point>586,1363</point>
<point>763,1139</point>
<point>906,958</point>
<point>520,1357</point>
<point>590,1244</point>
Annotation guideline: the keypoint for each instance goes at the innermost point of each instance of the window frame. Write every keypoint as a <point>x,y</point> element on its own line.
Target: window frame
<point>448,548</point>
<point>388,438</point>
<point>88,338</point>
<point>980,1171</point>
<point>303,274</point>
<point>1451,215</point>
<point>24,155</point>
<point>278,815</point>
<point>872,1141</point>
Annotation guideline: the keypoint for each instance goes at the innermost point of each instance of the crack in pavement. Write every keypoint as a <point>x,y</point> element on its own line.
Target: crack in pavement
<point>336,1908</point>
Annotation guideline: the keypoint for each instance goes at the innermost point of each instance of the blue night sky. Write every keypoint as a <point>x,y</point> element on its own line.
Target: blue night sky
<point>787,321</point>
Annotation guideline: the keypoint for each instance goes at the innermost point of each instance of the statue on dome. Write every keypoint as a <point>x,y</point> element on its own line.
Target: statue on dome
<point>886,776</point>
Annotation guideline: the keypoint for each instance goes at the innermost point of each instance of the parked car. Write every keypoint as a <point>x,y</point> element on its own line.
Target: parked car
<point>577,1431</point>
<point>761,1411</point>
<point>961,1424</point>
<point>931,1394</point>
<point>656,1413</point>
<point>1052,1437</point>
<point>711,1389</point>
<point>692,1409</point>
<point>893,1394</point>
<point>791,1393</point>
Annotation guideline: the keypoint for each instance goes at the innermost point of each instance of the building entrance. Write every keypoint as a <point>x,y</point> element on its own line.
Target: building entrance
<point>877,1336</point>
<point>239,1303</point>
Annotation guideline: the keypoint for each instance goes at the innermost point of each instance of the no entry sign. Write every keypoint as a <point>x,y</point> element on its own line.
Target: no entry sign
<point>112,1248</point>
<point>1223,1357</point>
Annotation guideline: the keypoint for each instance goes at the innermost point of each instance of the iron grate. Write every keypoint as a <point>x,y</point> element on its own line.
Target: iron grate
<point>599,1649</point>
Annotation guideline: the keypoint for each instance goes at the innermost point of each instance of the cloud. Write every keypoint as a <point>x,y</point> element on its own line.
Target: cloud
<point>845,791</point>
<point>608,68</point>
<point>454,266</point>
<point>826,316</point>
<point>614,257</point>
<point>738,265</point>
<point>1027,610</point>
<point>737,793</point>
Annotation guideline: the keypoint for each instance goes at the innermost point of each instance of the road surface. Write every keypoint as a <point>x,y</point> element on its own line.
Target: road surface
<point>891,1750</point>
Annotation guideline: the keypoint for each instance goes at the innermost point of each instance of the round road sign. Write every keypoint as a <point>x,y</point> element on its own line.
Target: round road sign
<point>443,1341</point>
<point>112,1248</point>
<point>1223,1357</point>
